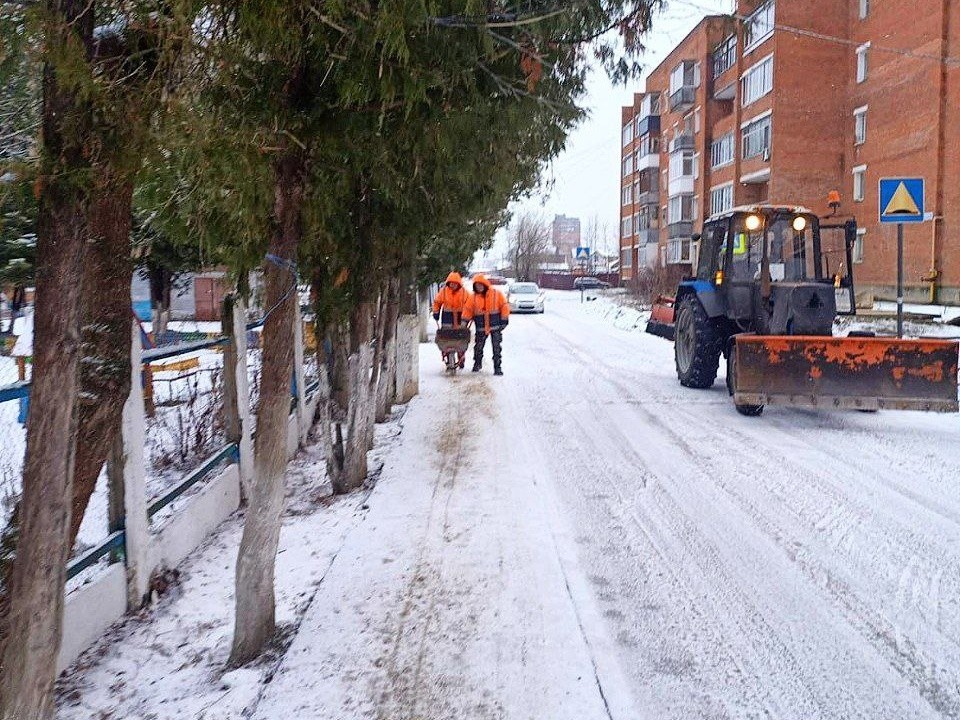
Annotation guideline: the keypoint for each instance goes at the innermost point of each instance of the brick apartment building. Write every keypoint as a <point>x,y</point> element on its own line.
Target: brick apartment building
<point>565,235</point>
<point>784,102</point>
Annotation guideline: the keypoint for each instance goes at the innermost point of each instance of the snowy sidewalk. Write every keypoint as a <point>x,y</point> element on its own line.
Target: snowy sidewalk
<point>451,600</point>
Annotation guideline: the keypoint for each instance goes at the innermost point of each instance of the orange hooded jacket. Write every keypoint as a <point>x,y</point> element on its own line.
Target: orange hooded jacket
<point>451,304</point>
<point>489,310</point>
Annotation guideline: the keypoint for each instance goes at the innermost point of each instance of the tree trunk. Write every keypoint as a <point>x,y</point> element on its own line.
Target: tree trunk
<point>359,416</point>
<point>387,382</point>
<point>255,606</point>
<point>340,373</point>
<point>32,642</point>
<point>104,372</point>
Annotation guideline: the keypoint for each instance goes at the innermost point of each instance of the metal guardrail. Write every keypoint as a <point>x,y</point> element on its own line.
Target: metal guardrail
<point>231,452</point>
<point>15,391</point>
<point>167,351</point>
<point>114,542</point>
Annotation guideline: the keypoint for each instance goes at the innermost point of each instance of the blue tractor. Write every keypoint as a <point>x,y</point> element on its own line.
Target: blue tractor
<point>767,291</point>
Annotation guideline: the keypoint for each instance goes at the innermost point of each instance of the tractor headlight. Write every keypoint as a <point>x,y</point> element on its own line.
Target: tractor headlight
<point>799,223</point>
<point>753,222</point>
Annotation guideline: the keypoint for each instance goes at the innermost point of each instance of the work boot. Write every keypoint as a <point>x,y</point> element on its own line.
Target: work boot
<point>476,367</point>
<point>497,371</point>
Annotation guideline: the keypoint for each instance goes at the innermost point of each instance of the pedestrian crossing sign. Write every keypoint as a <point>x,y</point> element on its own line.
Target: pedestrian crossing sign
<point>583,253</point>
<point>901,200</point>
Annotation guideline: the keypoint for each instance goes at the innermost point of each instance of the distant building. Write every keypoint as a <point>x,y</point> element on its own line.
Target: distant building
<point>782,103</point>
<point>566,235</point>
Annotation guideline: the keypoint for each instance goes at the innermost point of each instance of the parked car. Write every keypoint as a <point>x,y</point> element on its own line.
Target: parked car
<point>525,297</point>
<point>588,282</point>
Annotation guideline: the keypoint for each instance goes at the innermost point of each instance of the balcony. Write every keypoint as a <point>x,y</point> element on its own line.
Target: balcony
<point>683,98</point>
<point>648,236</point>
<point>648,161</point>
<point>683,141</point>
<point>681,185</point>
<point>727,92</point>
<point>648,125</point>
<point>649,197</point>
<point>682,229</point>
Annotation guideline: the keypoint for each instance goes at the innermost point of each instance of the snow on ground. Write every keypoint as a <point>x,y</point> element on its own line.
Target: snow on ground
<point>585,538</point>
<point>168,662</point>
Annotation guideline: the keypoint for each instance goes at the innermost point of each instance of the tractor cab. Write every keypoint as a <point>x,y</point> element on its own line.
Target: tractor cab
<point>772,271</point>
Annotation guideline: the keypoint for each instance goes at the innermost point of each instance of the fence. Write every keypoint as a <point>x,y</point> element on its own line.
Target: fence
<point>145,535</point>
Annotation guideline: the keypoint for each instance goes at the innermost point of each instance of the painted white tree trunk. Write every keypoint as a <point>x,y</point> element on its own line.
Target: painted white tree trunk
<point>407,358</point>
<point>136,524</point>
<point>359,419</point>
<point>387,384</point>
<point>303,420</point>
<point>237,391</point>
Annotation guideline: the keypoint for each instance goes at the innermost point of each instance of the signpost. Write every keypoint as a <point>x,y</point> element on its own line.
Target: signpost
<point>901,201</point>
<point>583,257</point>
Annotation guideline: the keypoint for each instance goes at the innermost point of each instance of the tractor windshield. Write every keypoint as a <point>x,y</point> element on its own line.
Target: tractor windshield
<point>791,250</point>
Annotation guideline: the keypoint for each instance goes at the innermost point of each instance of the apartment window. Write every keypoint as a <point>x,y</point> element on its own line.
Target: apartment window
<point>756,138</point>
<point>686,74</point>
<point>858,245</point>
<point>650,106</point>
<point>721,199</point>
<point>864,8</point>
<point>649,145</point>
<point>636,223</point>
<point>757,81</point>
<point>759,26</point>
<point>682,208</point>
<point>725,56</point>
<point>647,182</point>
<point>679,251</point>
<point>681,164</point>
<point>646,219</point>
<point>721,151</point>
<point>628,195</point>
<point>696,166</point>
<point>862,62</point>
<point>628,166</point>
<point>628,133</point>
<point>626,257</point>
<point>626,228</point>
<point>860,125</point>
<point>859,183</point>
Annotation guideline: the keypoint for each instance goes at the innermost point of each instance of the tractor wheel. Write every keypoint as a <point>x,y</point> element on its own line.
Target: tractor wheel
<point>748,410</point>
<point>698,345</point>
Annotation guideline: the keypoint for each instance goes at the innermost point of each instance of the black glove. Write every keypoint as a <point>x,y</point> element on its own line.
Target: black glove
<point>436,316</point>
<point>504,322</point>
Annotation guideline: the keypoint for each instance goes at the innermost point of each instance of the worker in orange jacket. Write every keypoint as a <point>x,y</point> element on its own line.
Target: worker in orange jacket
<point>449,306</point>
<point>490,313</point>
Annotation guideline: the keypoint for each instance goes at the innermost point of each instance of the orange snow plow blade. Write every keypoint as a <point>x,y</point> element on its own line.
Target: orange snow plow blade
<point>862,373</point>
<point>661,321</point>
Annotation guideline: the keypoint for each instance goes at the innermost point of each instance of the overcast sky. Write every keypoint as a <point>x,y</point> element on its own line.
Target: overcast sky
<point>586,175</point>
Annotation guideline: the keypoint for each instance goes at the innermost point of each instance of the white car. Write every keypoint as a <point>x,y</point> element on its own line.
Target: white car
<point>525,297</point>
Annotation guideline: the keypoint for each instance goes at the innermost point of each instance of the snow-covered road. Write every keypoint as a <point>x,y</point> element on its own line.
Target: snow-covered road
<point>799,565</point>
<point>585,516</point>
